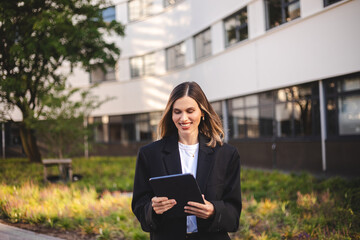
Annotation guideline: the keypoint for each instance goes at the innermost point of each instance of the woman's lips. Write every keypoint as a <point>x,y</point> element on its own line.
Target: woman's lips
<point>185,126</point>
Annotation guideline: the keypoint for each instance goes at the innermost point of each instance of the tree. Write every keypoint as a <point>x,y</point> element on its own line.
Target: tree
<point>65,111</point>
<point>37,37</point>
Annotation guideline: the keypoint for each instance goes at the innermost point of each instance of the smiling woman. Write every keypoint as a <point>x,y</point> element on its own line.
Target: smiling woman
<point>192,142</point>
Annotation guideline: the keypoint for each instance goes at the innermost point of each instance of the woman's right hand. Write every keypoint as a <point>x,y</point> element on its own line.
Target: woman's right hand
<point>162,204</point>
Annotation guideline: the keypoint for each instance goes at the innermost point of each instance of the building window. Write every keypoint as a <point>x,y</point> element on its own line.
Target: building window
<point>236,27</point>
<point>288,112</point>
<point>244,117</point>
<point>108,14</point>
<point>175,56</point>
<point>98,75</point>
<point>139,9</point>
<point>343,106</point>
<point>329,2</point>
<point>297,111</point>
<point>127,128</point>
<point>170,2</point>
<point>281,11</point>
<point>142,65</point>
<point>203,44</point>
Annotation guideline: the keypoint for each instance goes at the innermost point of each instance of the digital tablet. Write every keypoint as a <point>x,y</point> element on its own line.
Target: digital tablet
<point>181,187</point>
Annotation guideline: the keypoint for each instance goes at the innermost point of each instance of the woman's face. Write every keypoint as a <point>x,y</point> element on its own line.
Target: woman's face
<point>186,116</point>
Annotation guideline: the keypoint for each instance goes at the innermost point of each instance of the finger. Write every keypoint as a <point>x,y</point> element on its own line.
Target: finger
<point>159,199</point>
<point>196,204</point>
<point>159,209</point>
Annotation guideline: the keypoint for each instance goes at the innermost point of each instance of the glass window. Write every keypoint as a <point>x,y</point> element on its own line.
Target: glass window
<point>175,56</point>
<point>236,27</point>
<point>170,2</point>
<point>349,84</point>
<point>98,75</point>
<point>202,44</point>
<point>343,105</point>
<point>281,11</point>
<point>109,14</point>
<point>142,65</point>
<point>252,122</point>
<point>137,66</point>
<point>283,114</point>
<point>237,124</point>
<point>155,118</point>
<point>266,120</point>
<point>217,106</point>
<point>139,9</point>
<point>329,2</point>
<point>349,115</point>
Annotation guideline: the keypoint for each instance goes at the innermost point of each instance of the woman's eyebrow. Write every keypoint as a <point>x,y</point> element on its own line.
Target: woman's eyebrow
<point>189,108</point>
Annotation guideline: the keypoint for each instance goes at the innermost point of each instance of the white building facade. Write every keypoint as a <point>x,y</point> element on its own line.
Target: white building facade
<point>284,75</point>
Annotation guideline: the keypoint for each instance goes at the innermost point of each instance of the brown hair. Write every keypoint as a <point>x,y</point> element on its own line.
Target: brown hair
<point>211,127</point>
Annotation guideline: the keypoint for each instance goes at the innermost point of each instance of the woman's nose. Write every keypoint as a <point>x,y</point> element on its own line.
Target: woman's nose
<point>183,117</point>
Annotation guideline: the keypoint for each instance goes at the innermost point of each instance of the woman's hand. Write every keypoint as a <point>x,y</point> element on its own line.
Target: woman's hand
<point>200,210</point>
<point>162,204</point>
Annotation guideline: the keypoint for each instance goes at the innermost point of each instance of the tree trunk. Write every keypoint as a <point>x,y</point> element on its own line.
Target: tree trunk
<point>29,143</point>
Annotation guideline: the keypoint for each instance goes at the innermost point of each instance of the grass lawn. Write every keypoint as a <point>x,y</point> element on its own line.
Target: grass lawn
<point>275,205</point>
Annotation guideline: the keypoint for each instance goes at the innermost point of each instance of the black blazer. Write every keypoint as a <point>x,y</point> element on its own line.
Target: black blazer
<point>218,176</point>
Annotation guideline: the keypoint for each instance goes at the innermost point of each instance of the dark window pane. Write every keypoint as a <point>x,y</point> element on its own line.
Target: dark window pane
<point>266,120</point>
<point>114,132</point>
<point>303,117</point>
<point>283,113</point>
<point>244,33</point>
<point>330,87</point>
<point>274,15</point>
<point>329,2</point>
<point>236,27</point>
<point>331,115</point>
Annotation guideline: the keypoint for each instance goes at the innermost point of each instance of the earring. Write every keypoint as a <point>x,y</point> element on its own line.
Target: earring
<point>203,118</point>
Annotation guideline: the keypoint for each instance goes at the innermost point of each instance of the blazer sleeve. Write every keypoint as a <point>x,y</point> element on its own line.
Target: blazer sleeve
<point>142,194</point>
<point>228,208</point>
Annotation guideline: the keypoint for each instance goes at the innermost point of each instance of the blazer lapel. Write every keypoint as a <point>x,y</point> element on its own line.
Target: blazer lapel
<point>172,156</point>
<point>205,163</point>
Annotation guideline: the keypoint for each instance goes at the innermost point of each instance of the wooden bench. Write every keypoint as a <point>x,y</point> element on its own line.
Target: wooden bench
<point>64,165</point>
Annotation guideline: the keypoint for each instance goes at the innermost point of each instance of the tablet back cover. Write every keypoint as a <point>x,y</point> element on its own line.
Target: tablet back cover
<point>181,187</point>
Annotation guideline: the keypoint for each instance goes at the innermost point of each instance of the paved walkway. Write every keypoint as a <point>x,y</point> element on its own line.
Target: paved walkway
<point>12,233</point>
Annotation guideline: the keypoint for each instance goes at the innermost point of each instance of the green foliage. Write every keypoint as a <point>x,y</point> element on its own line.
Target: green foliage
<point>275,205</point>
<point>39,37</point>
<point>65,117</point>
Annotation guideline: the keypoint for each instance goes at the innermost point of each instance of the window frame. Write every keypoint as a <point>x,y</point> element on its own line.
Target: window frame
<point>238,27</point>
<point>283,6</point>
<point>113,16</point>
<point>105,75</point>
<point>176,64</point>
<point>336,95</point>
<point>205,44</point>
<point>145,9</point>
<point>147,68</point>
<point>330,2</point>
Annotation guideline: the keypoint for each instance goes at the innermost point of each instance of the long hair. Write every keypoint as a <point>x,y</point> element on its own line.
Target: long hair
<point>211,127</point>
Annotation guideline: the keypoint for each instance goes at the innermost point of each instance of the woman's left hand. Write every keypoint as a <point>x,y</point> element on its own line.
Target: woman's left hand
<point>200,210</point>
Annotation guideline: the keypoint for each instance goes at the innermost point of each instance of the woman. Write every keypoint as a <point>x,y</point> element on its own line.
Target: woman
<point>192,142</point>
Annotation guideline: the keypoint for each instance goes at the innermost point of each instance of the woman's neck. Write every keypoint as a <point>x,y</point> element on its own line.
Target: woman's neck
<point>189,139</point>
